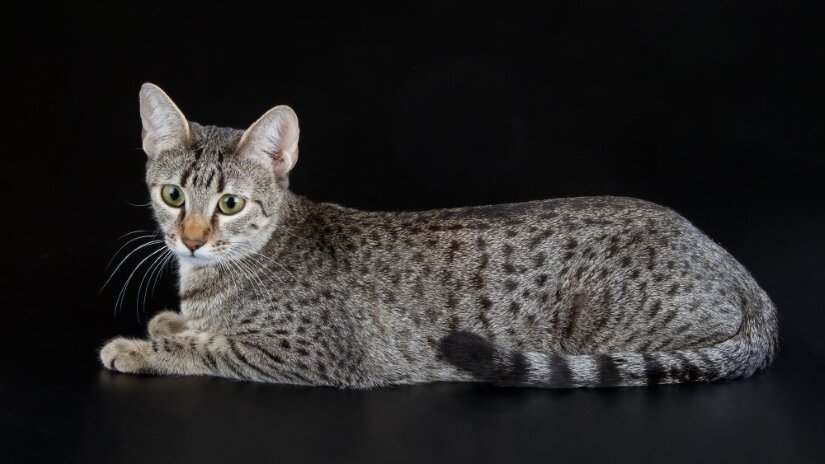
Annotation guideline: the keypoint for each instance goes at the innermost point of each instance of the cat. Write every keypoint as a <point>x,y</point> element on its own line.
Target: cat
<point>574,292</point>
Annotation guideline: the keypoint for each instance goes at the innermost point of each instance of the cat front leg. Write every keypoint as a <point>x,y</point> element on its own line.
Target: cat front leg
<point>200,353</point>
<point>166,323</point>
<point>184,353</point>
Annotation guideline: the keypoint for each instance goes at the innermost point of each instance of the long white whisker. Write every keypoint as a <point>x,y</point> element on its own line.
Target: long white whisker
<point>269,275</point>
<point>249,271</point>
<point>167,260</point>
<point>273,261</point>
<point>242,252</point>
<point>231,271</point>
<point>149,273</point>
<point>253,274</point>
<point>261,264</point>
<point>153,242</point>
<point>235,272</point>
<point>122,294</point>
<point>124,246</point>
<point>126,285</point>
<point>134,232</point>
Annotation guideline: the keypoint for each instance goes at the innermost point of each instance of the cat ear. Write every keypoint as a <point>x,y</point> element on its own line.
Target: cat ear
<point>273,137</point>
<point>164,126</point>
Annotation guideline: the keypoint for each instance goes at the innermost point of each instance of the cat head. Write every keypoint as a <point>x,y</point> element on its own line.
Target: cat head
<point>216,192</point>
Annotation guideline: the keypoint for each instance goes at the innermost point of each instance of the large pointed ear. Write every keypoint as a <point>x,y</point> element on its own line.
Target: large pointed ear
<point>273,138</point>
<point>164,126</point>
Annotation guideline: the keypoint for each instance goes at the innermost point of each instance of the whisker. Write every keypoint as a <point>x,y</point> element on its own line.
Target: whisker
<point>153,242</point>
<point>274,261</point>
<point>122,294</point>
<point>135,232</point>
<point>124,246</point>
<point>252,273</point>
<point>260,264</point>
<point>248,271</point>
<point>150,271</point>
<point>248,261</point>
<point>169,257</point>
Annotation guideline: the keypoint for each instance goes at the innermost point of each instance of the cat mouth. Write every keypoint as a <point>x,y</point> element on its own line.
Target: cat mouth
<point>196,259</point>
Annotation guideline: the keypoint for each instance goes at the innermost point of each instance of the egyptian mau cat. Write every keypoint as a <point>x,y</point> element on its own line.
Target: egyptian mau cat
<point>577,292</point>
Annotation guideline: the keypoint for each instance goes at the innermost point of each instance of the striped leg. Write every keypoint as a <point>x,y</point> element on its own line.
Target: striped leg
<point>199,353</point>
<point>185,353</point>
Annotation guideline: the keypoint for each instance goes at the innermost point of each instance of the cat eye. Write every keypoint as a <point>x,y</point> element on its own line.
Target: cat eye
<point>231,204</point>
<point>172,195</point>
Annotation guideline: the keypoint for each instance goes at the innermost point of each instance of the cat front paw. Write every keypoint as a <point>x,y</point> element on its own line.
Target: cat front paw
<point>166,323</point>
<point>125,355</point>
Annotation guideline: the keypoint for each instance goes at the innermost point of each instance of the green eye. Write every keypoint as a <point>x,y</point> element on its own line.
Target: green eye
<point>231,204</point>
<point>172,195</point>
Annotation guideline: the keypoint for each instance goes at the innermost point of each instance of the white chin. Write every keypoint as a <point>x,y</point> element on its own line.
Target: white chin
<point>197,260</point>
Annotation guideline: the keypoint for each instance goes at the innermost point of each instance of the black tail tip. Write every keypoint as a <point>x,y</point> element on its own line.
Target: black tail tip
<point>470,352</point>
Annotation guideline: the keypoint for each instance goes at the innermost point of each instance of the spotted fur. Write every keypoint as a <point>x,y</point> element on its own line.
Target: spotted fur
<point>575,292</point>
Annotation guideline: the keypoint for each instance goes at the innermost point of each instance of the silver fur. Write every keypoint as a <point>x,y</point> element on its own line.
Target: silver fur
<point>577,292</point>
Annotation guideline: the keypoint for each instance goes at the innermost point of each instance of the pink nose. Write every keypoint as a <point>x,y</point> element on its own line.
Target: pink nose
<point>193,243</point>
<point>194,232</point>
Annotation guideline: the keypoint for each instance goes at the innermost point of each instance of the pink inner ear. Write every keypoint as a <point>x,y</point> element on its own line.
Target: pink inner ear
<point>274,136</point>
<point>164,126</point>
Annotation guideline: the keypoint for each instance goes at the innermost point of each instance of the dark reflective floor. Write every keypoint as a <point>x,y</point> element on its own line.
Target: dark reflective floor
<point>90,415</point>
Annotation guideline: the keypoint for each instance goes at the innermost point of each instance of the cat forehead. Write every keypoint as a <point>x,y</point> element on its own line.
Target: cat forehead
<point>214,142</point>
<point>211,148</point>
<point>210,163</point>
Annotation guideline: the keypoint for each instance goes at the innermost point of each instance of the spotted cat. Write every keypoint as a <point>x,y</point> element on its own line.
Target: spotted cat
<point>576,292</point>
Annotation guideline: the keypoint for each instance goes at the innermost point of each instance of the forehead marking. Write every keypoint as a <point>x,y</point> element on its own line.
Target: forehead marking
<point>202,170</point>
<point>210,149</point>
<point>184,176</point>
<point>220,178</point>
<point>209,179</point>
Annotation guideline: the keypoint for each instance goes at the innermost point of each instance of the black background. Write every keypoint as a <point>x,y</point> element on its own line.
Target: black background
<point>712,108</point>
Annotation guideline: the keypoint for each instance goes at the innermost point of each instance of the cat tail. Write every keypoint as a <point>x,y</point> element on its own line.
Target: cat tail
<point>752,348</point>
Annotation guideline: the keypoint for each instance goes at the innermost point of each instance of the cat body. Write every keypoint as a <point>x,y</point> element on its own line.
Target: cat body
<point>594,291</point>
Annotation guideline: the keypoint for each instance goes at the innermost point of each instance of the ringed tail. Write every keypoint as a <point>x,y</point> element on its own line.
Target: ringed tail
<point>750,349</point>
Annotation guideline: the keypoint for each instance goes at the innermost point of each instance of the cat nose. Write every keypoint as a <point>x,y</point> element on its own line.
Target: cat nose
<point>192,243</point>
<point>195,231</point>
